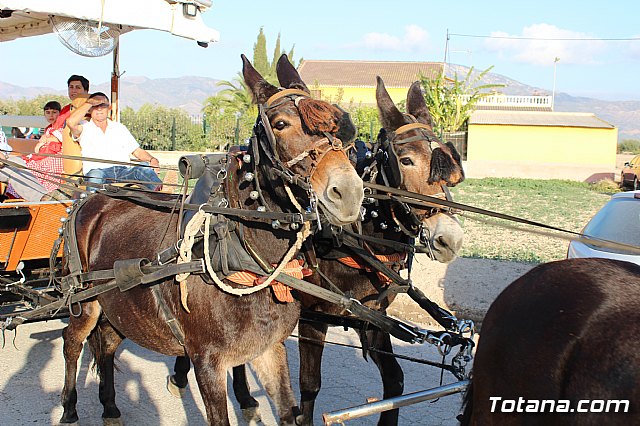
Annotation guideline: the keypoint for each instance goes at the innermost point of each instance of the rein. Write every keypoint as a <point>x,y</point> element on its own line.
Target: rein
<point>388,193</point>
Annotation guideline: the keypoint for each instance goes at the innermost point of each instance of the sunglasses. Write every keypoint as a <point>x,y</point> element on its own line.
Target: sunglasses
<point>102,105</point>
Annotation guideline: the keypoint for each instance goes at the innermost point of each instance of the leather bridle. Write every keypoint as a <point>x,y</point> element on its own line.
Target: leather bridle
<point>404,216</point>
<point>313,155</point>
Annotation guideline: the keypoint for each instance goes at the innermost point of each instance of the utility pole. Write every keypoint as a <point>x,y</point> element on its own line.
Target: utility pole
<point>553,92</point>
<point>446,49</point>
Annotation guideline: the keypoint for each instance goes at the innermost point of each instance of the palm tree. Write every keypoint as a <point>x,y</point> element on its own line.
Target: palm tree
<point>237,95</point>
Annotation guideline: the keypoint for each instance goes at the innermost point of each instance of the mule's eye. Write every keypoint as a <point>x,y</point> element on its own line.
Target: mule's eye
<point>406,161</point>
<point>279,125</point>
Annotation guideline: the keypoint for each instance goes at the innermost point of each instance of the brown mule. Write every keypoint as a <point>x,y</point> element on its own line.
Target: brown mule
<point>559,346</point>
<point>441,232</point>
<point>221,330</point>
<point>423,169</point>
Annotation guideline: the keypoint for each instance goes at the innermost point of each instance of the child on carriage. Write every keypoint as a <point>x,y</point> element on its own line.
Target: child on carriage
<point>48,168</point>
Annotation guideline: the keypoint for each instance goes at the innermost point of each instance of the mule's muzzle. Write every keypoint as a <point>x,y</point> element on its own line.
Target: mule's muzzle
<point>339,188</point>
<point>441,241</point>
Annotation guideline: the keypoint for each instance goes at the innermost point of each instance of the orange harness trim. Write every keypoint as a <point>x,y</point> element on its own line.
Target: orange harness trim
<point>396,259</point>
<point>281,291</point>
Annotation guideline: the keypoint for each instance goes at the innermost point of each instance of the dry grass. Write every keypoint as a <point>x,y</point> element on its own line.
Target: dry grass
<point>561,204</point>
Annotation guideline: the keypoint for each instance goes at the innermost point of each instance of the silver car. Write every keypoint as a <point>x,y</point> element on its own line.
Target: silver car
<point>619,221</point>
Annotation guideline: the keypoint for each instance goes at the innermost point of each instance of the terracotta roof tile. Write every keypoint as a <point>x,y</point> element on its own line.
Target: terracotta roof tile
<point>363,73</point>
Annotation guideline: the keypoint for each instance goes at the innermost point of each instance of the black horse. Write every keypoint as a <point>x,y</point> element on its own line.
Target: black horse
<point>404,158</point>
<point>293,163</point>
<point>559,347</point>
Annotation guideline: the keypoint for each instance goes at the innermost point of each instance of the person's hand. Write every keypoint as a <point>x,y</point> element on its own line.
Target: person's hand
<point>95,101</point>
<point>40,144</point>
<point>155,164</point>
<point>5,156</point>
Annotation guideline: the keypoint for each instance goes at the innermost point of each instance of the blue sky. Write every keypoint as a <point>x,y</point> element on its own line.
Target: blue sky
<point>404,30</point>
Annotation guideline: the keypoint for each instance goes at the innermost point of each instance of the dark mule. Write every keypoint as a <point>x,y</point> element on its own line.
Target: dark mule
<point>221,330</point>
<point>422,169</point>
<point>563,333</point>
<point>409,160</point>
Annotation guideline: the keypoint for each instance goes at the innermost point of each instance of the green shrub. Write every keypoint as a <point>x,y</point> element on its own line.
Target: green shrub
<point>629,145</point>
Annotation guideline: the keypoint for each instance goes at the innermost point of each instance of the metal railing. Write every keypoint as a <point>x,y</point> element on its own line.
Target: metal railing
<point>513,101</point>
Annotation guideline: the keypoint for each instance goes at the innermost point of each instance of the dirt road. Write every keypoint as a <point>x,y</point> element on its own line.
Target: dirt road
<point>32,372</point>
<point>32,367</point>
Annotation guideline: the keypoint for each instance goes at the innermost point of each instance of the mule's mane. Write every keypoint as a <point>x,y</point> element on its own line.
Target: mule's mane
<point>319,116</point>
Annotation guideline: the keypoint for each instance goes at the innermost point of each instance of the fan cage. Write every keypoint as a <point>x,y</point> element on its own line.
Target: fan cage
<point>86,38</point>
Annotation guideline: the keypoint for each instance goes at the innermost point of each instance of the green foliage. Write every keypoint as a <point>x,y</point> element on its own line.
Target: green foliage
<point>156,127</point>
<point>627,145</point>
<point>159,128</point>
<point>234,98</point>
<point>8,107</point>
<point>235,101</point>
<point>29,106</point>
<point>276,55</point>
<point>260,61</point>
<point>366,121</point>
<point>446,99</point>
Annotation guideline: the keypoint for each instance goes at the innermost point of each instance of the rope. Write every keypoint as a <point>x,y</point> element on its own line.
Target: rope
<point>203,218</point>
<point>415,199</point>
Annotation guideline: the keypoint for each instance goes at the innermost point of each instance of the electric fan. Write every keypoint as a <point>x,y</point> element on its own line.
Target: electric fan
<point>86,38</point>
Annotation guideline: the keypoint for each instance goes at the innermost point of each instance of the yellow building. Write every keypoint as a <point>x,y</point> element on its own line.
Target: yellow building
<point>540,144</point>
<point>354,82</point>
<point>508,136</point>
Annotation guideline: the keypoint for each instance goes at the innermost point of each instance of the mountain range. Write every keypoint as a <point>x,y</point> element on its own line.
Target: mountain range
<point>190,92</point>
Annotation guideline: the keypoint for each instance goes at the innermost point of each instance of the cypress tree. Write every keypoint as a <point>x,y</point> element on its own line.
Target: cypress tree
<point>290,56</point>
<point>276,55</point>
<point>260,60</point>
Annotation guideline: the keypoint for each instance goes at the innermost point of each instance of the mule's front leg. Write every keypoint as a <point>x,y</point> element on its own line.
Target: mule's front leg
<point>311,346</point>
<point>390,372</point>
<point>272,368</point>
<point>74,336</point>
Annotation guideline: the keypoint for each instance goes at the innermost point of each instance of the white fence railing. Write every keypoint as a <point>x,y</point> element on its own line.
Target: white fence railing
<point>514,101</point>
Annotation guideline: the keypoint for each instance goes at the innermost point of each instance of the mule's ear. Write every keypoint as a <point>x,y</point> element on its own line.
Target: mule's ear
<point>390,116</point>
<point>288,76</point>
<point>417,106</point>
<point>260,88</point>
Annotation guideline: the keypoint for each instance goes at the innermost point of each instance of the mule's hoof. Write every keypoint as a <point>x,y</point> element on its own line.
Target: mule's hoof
<point>302,420</point>
<point>110,421</point>
<point>252,416</point>
<point>174,390</point>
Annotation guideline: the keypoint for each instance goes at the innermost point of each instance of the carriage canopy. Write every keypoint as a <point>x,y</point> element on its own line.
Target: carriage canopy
<point>26,18</point>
